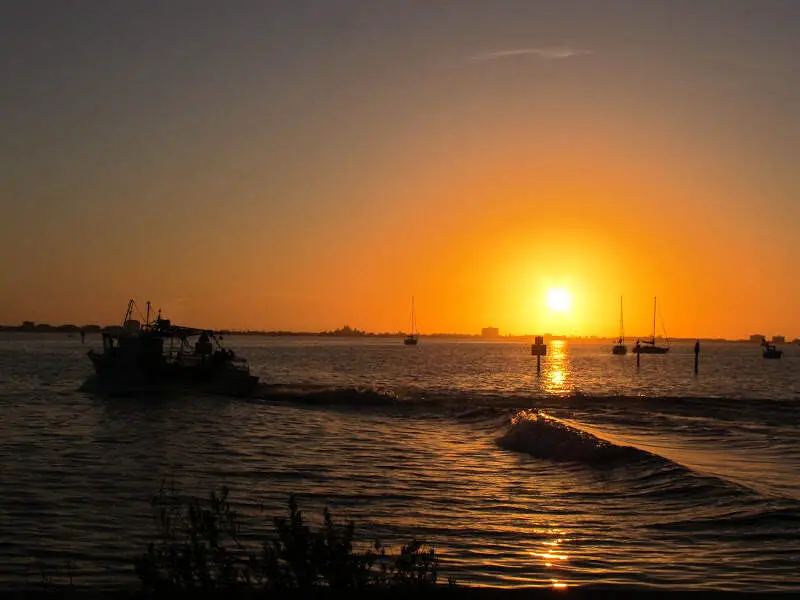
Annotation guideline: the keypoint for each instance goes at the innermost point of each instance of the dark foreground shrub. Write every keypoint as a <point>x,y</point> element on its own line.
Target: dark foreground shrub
<point>198,548</point>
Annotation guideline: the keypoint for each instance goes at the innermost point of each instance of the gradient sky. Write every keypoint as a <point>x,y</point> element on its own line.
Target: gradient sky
<point>304,164</point>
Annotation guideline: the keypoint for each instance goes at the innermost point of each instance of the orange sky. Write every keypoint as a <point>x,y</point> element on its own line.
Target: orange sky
<point>274,171</point>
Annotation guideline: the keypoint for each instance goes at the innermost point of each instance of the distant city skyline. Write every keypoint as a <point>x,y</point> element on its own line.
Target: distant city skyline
<point>291,165</point>
<point>486,333</point>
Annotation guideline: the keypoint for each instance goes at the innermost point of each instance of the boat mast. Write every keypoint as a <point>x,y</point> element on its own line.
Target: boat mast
<point>621,326</point>
<point>413,324</point>
<point>654,319</point>
<point>128,312</point>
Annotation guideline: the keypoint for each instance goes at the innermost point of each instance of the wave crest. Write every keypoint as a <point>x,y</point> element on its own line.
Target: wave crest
<point>540,435</point>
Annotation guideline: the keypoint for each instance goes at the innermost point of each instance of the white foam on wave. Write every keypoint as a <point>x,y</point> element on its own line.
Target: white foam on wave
<point>543,436</point>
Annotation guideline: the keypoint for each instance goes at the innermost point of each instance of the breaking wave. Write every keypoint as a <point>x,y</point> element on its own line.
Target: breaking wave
<point>553,429</point>
<point>543,436</point>
<point>645,475</point>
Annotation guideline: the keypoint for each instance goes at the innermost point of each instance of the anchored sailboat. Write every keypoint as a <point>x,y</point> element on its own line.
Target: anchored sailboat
<point>413,337</point>
<point>620,348</point>
<point>649,346</point>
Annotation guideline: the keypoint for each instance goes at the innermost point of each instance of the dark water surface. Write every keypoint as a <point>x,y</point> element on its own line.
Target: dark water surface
<point>591,472</point>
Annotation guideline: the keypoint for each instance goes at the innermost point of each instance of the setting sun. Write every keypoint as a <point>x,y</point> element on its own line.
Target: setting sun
<point>559,300</point>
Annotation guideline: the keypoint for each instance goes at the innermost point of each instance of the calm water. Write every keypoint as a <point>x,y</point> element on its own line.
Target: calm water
<point>591,472</point>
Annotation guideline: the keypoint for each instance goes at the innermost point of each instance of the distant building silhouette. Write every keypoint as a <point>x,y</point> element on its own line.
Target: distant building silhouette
<point>490,332</point>
<point>778,339</point>
<point>758,338</point>
<point>345,331</point>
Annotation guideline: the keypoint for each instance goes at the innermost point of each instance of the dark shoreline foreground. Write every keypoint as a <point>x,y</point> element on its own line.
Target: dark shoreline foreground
<point>443,591</point>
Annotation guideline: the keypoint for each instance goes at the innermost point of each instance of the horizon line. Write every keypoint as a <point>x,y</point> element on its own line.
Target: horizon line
<point>30,326</point>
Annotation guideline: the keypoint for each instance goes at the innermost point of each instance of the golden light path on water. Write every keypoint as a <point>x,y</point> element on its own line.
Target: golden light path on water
<point>552,556</point>
<point>556,375</point>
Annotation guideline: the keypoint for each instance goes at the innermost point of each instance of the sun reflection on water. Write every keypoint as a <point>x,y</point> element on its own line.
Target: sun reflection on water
<point>553,555</point>
<point>549,555</point>
<point>557,368</point>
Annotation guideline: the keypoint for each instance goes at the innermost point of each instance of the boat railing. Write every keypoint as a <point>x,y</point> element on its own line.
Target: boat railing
<point>175,353</point>
<point>240,363</point>
<point>186,356</point>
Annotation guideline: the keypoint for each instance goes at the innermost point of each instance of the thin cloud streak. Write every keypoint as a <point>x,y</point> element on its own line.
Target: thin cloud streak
<point>546,53</point>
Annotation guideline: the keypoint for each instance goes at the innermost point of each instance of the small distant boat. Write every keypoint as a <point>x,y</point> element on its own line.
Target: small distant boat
<point>620,348</point>
<point>412,338</point>
<point>770,350</point>
<point>649,346</point>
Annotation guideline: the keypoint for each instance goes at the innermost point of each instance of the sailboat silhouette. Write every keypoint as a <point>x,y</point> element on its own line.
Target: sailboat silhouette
<point>620,348</point>
<point>649,346</point>
<point>413,337</point>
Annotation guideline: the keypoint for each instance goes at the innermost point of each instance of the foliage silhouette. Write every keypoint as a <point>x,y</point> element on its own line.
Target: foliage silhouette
<point>198,548</point>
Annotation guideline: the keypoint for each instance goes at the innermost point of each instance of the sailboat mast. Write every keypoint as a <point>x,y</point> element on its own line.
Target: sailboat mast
<point>621,326</point>
<point>413,323</point>
<point>654,319</point>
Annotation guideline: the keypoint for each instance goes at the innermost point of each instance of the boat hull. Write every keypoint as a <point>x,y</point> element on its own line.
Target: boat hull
<point>619,350</point>
<point>409,341</point>
<point>650,350</point>
<point>114,377</point>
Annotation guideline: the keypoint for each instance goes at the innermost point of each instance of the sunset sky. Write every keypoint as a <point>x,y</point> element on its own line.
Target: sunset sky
<point>304,164</point>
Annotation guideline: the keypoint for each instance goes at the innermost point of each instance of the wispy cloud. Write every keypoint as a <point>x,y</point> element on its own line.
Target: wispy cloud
<point>546,53</point>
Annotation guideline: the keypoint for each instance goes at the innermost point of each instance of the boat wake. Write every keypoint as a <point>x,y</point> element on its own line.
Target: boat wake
<point>326,395</point>
<point>432,399</point>
<point>558,430</point>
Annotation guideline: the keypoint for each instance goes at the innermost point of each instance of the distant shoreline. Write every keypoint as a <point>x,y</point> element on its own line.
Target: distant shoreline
<point>347,332</point>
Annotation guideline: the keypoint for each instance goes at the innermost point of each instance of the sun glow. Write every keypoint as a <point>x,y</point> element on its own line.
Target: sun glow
<point>559,300</point>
